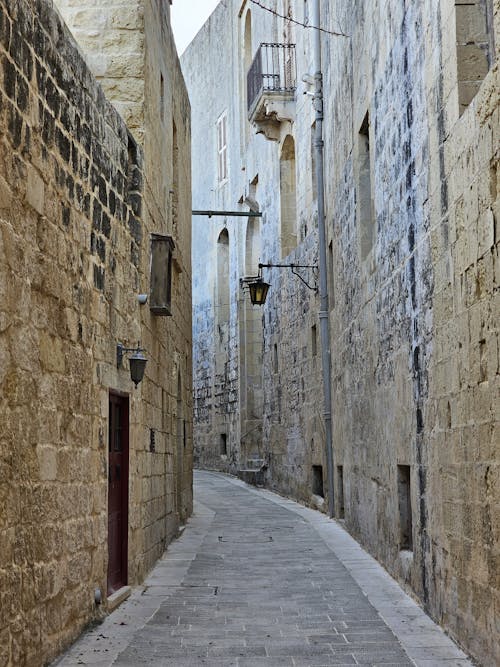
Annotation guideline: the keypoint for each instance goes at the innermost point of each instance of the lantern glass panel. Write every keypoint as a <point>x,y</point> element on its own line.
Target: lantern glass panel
<point>137,367</point>
<point>258,292</point>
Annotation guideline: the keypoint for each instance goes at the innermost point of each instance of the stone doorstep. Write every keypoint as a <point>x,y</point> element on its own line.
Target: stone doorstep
<point>255,464</point>
<point>119,596</point>
<point>252,476</point>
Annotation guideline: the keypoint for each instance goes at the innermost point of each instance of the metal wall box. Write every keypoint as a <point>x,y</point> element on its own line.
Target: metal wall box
<point>162,248</point>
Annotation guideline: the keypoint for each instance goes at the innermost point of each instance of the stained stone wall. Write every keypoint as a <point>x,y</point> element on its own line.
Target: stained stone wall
<point>414,330</point>
<point>411,177</point>
<point>79,199</point>
<point>259,407</point>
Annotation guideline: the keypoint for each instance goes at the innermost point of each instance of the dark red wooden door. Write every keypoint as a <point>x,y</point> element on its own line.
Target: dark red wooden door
<point>117,492</point>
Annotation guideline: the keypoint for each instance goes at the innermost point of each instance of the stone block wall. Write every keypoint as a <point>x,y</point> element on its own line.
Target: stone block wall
<point>77,207</point>
<point>414,334</point>
<point>129,47</point>
<point>462,560</point>
<point>113,38</point>
<point>216,353</point>
<point>258,406</point>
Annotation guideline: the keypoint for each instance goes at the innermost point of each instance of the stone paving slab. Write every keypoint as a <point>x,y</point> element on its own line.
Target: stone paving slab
<point>258,580</point>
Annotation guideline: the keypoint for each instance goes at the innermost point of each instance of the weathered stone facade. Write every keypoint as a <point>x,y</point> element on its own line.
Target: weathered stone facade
<point>411,157</point>
<point>80,197</point>
<point>242,396</point>
<point>415,322</point>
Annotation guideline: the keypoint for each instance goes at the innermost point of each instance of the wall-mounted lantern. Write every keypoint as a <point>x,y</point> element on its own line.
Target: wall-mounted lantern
<point>258,288</point>
<point>258,291</point>
<point>162,248</point>
<point>137,361</point>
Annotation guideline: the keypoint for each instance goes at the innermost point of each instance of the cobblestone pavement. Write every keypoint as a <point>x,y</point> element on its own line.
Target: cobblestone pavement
<point>257,580</point>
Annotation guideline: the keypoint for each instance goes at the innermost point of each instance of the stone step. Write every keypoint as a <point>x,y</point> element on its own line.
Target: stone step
<point>255,464</point>
<point>252,476</point>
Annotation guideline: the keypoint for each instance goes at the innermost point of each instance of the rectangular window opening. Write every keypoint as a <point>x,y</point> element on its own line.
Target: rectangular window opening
<point>223,444</point>
<point>405,511</point>
<point>275,358</point>
<point>475,47</point>
<point>483,361</point>
<point>340,488</point>
<point>317,481</point>
<point>331,279</point>
<point>314,340</point>
<point>164,410</point>
<point>162,98</point>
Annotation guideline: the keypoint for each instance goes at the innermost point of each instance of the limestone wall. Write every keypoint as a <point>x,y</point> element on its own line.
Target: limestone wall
<point>411,127</point>
<point>260,410</point>
<point>414,334</point>
<point>78,202</point>
<point>113,38</point>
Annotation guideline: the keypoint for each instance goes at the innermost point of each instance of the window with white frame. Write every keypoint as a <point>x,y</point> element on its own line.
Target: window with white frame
<point>222,167</point>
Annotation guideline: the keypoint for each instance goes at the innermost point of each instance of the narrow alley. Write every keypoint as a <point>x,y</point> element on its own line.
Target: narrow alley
<point>259,580</point>
<point>260,240</point>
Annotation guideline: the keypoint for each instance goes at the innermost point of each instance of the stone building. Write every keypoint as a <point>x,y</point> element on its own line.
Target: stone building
<point>411,184</point>
<point>250,363</point>
<point>95,474</point>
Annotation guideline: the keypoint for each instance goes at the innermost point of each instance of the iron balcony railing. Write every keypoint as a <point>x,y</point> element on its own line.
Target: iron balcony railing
<point>273,69</point>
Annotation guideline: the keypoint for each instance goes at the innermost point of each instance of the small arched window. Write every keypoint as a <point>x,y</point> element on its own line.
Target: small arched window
<point>288,196</point>
<point>252,247</point>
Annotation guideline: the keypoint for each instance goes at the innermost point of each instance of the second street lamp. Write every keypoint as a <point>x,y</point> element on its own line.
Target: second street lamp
<point>258,288</point>
<point>258,291</point>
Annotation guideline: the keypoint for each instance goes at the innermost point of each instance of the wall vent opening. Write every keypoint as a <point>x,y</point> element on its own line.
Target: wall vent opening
<point>223,444</point>
<point>317,481</point>
<point>475,47</point>
<point>405,511</point>
<point>340,491</point>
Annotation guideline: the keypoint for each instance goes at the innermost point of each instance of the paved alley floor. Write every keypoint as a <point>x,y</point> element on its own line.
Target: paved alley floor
<point>257,580</point>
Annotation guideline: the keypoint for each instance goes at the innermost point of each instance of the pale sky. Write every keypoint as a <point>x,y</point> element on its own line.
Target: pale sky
<point>187,18</point>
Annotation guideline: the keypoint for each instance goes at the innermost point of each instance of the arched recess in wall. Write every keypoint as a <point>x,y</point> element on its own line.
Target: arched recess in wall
<point>287,25</point>
<point>222,318</point>
<point>252,247</point>
<point>288,197</point>
<point>251,428</point>
<point>247,62</point>
<point>247,42</point>
<point>222,300</point>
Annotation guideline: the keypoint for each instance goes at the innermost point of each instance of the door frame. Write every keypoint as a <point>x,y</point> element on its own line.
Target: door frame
<point>122,399</point>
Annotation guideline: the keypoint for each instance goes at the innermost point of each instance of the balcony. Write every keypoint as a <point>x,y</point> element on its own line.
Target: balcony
<point>271,85</point>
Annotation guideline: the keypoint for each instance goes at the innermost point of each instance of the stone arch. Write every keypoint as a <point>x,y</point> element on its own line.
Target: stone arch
<point>252,247</point>
<point>246,62</point>
<point>247,42</point>
<point>251,353</point>
<point>288,197</point>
